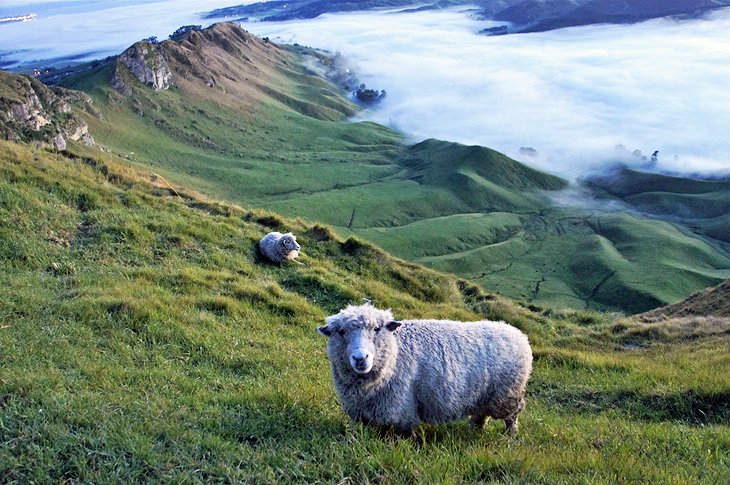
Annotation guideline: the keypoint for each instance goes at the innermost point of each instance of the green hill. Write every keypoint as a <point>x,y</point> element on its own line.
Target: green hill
<point>485,180</point>
<point>244,121</point>
<point>701,205</point>
<point>142,340</point>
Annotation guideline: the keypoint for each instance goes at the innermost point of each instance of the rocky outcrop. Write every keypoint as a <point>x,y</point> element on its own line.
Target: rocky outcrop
<point>145,62</point>
<point>78,99</point>
<point>30,110</point>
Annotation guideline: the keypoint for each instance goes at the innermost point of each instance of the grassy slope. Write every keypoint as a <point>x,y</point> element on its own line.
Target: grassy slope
<point>713,302</point>
<point>275,138</point>
<point>703,205</point>
<point>142,340</point>
<point>565,256</point>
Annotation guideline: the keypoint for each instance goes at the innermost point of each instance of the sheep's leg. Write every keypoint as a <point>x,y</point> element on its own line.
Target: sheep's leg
<point>404,432</point>
<point>478,420</point>
<point>511,424</point>
<point>391,429</point>
<point>512,427</point>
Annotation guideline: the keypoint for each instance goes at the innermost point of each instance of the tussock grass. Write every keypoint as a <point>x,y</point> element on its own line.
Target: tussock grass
<point>142,340</point>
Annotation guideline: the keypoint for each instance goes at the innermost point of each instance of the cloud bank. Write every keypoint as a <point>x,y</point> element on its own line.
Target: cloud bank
<point>573,99</point>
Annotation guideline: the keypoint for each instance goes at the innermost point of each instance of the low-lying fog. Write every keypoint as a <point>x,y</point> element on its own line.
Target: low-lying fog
<point>572,95</point>
<point>568,98</point>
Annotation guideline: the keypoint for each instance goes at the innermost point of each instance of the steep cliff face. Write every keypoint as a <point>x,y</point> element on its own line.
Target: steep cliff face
<point>30,110</point>
<point>146,63</point>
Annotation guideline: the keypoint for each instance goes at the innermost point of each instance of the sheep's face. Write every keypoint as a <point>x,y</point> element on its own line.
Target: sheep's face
<point>359,337</point>
<point>289,246</point>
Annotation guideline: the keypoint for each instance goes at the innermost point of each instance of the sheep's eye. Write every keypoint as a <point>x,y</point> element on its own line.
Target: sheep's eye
<point>377,329</point>
<point>341,332</point>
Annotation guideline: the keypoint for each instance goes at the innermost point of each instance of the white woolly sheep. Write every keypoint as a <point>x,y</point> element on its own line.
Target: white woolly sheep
<point>279,247</point>
<point>401,373</point>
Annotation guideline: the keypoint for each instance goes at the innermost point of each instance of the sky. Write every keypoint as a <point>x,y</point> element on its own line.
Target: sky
<point>580,98</point>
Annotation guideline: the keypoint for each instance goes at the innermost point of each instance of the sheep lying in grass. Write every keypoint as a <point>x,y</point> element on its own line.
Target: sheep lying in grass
<point>279,247</point>
<point>400,373</point>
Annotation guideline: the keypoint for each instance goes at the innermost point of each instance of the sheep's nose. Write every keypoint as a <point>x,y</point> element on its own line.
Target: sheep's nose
<point>360,357</point>
<point>361,361</point>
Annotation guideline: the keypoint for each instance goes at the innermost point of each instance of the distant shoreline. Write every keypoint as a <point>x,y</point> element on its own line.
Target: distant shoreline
<point>19,18</point>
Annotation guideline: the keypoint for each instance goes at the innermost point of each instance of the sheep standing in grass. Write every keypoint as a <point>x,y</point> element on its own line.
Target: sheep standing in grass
<point>400,373</point>
<point>279,247</point>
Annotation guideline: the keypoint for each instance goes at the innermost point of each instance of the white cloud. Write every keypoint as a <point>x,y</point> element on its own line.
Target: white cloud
<point>572,94</point>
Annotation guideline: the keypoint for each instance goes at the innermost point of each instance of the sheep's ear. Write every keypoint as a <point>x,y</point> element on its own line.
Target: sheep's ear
<point>325,330</point>
<point>392,326</point>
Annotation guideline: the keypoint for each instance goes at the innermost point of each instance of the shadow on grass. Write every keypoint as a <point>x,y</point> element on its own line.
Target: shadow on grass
<point>277,420</point>
<point>691,407</point>
<point>267,420</point>
<point>328,296</point>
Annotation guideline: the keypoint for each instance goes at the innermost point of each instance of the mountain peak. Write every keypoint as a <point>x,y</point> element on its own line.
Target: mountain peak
<point>223,56</point>
<point>226,65</point>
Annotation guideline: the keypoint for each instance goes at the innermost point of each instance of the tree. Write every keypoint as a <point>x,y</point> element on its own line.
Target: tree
<point>185,29</point>
<point>369,96</point>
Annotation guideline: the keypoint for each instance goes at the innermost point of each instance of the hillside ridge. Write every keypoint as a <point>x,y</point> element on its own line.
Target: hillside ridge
<point>710,302</point>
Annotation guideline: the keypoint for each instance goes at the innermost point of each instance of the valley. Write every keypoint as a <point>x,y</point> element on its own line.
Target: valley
<point>247,123</point>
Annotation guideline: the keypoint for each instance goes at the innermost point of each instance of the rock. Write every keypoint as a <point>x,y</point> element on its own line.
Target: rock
<point>59,142</point>
<point>36,122</point>
<point>118,84</point>
<point>30,110</point>
<point>146,63</point>
<point>78,99</point>
<point>87,140</point>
